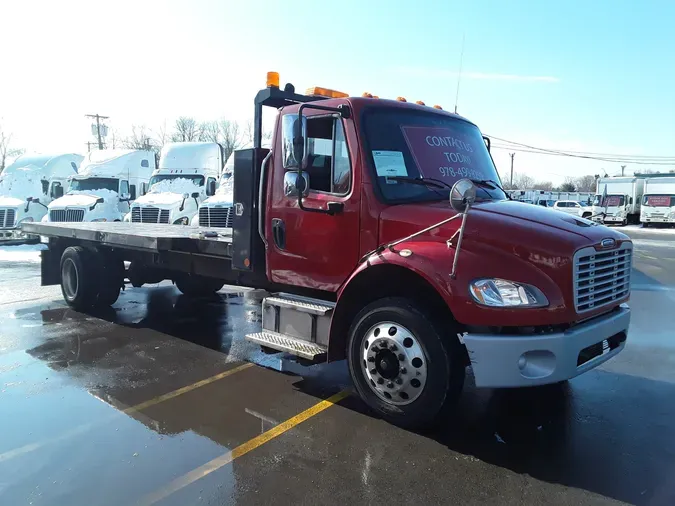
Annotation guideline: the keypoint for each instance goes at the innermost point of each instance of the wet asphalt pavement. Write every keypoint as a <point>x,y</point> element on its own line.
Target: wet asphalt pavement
<point>160,400</point>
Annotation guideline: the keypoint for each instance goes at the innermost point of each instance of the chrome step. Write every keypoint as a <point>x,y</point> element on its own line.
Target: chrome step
<point>303,304</point>
<point>304,349</point>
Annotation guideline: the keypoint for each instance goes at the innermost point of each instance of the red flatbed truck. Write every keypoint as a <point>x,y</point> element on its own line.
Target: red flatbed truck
<point>384,237</point>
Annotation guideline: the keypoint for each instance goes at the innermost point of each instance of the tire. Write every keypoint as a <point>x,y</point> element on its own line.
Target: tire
<point>111,279</point>
<point>79,282</point>
<point>198,286</point>
<point>624,222</point>
<point>646,225</point>
<point>375,350</point>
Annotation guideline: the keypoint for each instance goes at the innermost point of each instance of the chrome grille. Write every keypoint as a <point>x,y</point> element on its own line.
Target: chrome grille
<point>7,217</point>
<point>149,215</point>
<point>61,215</point>
<point>216,217</point>
<point>601,277</point>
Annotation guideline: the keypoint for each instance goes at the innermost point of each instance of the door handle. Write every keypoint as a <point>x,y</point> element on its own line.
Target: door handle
<point>279,232</point>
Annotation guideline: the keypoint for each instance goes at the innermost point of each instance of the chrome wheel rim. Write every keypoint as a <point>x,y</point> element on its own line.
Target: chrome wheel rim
<point>393,363</point>
<point>70,278</point>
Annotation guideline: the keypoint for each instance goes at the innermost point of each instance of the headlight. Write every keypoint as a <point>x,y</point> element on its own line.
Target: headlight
<point>182,221</point>
<point>100,219</point>
<point>26,220</point>
<point>502,293</point>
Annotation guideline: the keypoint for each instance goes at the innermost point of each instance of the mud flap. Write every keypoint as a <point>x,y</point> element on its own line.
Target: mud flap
<point>50,269</point>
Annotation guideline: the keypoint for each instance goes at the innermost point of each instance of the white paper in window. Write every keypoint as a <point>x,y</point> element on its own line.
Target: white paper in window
<point>389,163</point>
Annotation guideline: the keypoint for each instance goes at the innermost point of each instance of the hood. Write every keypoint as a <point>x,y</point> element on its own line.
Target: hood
<point>218,200</point>
<point>495,219</point>
<point>167,199</point>
<point>11,202</point>
<point>80,200</point>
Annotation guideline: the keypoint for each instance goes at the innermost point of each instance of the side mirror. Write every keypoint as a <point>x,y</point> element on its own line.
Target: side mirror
<point>125,197</point>
<point>296,185</point>
<point>210,187</point>
<point>58,192</point>
<point>462,195</point>
<point>195,195</point>
<point>186,195</point>
<point>144,188</point>
<point>294,140</point>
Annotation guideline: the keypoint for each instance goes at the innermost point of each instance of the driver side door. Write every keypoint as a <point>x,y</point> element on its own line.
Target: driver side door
<point>308,248</point>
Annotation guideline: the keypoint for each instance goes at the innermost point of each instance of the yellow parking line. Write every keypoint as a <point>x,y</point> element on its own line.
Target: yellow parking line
<point>184,390</point>
<point>243,449</point>
<point>22,450</point>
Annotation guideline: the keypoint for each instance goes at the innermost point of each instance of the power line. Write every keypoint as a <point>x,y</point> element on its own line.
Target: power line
<point>669,162</point>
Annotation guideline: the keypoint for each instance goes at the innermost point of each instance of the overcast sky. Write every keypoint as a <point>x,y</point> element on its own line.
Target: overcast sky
<point>584,76</point>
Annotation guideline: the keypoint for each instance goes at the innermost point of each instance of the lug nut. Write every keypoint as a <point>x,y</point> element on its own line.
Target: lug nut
<point>383,344</point>
<point>401,357</point>
<point>390,385</point>
<point>403,370</point>
<point>373,371</point>
<point>371,359</point>
<point>399,381</point>
<point>380,381</point>
<point>393,347</point>
<point>374,349</point>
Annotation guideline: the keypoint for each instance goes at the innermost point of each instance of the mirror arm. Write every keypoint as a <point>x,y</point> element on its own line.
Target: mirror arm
<point>182,205</point>
<point>390,245</point>
<point>453,274</point>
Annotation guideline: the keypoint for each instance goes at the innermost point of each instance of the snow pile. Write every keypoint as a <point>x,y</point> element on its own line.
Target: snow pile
<point>22,183</point>
<point>108,195</point>
<point>22,253</point>
<point>178,185</point>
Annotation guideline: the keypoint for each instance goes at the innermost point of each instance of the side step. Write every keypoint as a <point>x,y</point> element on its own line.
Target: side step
<point>302,304</point>
<point>305,349</point>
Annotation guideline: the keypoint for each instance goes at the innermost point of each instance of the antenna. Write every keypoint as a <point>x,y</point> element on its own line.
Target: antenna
<point>459,74</point>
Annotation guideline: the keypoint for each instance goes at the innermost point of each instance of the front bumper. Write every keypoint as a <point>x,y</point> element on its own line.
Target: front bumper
<point>658,219</point>
<point>614,219</point>
<point>503,361</point>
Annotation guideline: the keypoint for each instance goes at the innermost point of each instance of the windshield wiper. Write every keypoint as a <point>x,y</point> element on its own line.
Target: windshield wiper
<point>491,184</point>
<point>424,181</point>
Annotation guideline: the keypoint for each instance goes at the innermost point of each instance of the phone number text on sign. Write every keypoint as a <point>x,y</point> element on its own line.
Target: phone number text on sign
<point>442,152</point>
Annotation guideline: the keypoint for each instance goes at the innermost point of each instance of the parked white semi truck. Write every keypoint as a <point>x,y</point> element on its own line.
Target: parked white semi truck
<point>618,200</point>
<point>107,183</point>
<point>27,186</point>
<point>658,202</point>
<point>188,173</point>
<point>218,211</point>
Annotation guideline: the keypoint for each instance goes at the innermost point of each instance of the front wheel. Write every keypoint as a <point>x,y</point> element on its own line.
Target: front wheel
<point>406,365</point>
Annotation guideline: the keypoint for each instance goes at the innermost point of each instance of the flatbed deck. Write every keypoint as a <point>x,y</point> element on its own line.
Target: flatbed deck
<point>141,236</point>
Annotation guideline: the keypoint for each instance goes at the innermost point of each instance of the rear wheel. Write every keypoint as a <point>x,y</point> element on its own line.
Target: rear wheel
<point>198,286</point>
<point>79,284</point>
<point>405,364</point>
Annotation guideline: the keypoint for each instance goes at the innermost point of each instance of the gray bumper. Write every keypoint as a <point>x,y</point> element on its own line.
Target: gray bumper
<point>14,236</point>
<point>520,361</point>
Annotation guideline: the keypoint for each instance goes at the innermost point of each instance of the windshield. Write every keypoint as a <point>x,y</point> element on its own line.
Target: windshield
<point>426,145</point>
<point>93,184</point>
<point>175,183</point>
<point>22,186</point>
<point>659,200</point>
<point>610,200</point>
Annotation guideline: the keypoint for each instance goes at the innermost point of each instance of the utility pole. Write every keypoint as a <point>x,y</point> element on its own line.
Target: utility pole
<point>98,118</point>
<point>623,167</point>
<point>512,155</point>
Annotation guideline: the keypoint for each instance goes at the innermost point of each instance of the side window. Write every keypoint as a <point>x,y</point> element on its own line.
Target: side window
<point>327,157</point>
<point>576,204</point>
<point>45,186</point>
<point>132,192</point>
<point>145,163</point>
<point>124,187</point>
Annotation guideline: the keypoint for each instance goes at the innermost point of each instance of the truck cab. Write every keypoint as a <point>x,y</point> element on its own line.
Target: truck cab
<point>618,200</point>
<point>217,211</point>
<point>188,173</point>
<point>658,204</point>
<point>108,181</point>
<point>27,186</point>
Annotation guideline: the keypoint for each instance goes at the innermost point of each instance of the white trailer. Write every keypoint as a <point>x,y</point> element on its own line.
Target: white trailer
<point>27,186</point>
<point>618,200</point>
<point>188,173</point>
<point>658,203</point>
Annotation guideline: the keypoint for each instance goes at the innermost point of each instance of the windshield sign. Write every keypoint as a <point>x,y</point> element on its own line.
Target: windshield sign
<point>94,183</point>
<point>426,145</point>
<point>658,200</point>
<point>614,200</point>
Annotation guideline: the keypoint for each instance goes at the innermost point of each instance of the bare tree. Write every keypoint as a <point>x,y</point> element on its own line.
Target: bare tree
<point>209,131</point>
<point>160,137</point>
<point>568,186</point>
<point>585,184</point>
<point>6,149</point>
<point>543,185</point>
<point>249,134</point>
<point>186,129</point>
<point>522,181</point>
<point>139,139</point>
<point>231,137</point>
